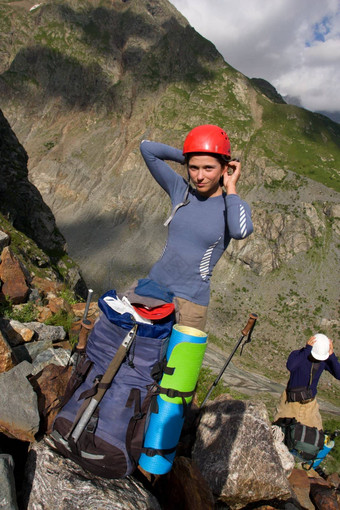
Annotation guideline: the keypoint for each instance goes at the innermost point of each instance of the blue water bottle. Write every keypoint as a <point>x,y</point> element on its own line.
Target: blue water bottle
<point>328,445</point>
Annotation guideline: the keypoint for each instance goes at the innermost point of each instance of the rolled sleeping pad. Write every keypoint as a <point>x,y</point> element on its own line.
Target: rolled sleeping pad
<point>185,355</point>
<point>185,334</point>
<point>163,433</point>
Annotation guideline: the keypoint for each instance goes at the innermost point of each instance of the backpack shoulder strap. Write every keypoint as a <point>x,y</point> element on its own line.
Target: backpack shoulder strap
<point>185,201</point>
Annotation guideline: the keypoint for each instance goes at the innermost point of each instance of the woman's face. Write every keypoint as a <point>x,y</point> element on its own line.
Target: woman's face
<point>205,172</point>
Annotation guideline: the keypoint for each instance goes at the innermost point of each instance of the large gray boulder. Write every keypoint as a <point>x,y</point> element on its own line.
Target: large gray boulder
<point>19,404</point>
<point>31,350</point>
<point>54,482</point>
<point>46,332</point>
<point>234,449</point>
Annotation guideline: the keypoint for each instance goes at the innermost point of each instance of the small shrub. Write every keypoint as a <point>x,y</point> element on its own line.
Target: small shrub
<point>49,145</point>
<point>27,313</point>
<point>68,296</point>
<point>61,318</point>
<point>24,313</point>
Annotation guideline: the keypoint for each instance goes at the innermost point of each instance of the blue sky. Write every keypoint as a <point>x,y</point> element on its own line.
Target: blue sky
<point>322,29</point>
<point>294,44</point>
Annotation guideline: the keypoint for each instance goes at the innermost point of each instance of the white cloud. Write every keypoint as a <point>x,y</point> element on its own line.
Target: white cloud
<point>324,53</point>
<point>294,44</point>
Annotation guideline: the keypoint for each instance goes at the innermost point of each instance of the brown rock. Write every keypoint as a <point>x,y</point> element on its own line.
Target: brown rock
<point>334,480</point>
<point>14,283</point>
<point>184,488</point>
<point>300,484</point>
<point>299,478</point>
<point>7,359</point>
<point>50,385</point>
<point>266,507</point>
<point>17,333</point>
<point>58,304</point>
<point>323,497</point>
<point>63,344</point>
<point>45,286</point>
<point>44,313</point>
<point>79,308</point>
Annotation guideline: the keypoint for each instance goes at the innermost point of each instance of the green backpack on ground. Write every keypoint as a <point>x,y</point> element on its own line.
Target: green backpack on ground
<point>302,441</point>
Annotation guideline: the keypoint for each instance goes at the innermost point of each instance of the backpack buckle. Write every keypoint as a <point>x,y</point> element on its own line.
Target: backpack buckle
<point>171,393</point>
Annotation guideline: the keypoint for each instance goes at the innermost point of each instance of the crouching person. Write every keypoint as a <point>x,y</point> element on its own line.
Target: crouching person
<point>306,366</point>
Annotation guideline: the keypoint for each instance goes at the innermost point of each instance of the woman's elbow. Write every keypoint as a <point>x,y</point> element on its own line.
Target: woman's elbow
<point>143,145</point>
<point>241,232</point>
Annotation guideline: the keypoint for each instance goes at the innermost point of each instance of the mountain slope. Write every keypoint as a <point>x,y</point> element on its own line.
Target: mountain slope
<point>82,83</point>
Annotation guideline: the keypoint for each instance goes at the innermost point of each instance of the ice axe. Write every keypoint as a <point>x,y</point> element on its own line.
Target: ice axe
<point>90,404</point>
<point>245,331</point>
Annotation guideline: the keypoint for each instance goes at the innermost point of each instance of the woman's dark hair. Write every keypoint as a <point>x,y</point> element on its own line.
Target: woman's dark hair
<point>221,158</point>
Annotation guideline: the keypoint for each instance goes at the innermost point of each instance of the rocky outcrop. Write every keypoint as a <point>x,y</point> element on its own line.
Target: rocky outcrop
<point>280,236</point>
<point>268,90</point>
<point>235,434</point>
<point>22,209</point>
<point>21,259</point>
<point>227,455</point>
<point>51,480</point>
<point>235,453</point>
<point>26,348</point>
<point>20,201</point>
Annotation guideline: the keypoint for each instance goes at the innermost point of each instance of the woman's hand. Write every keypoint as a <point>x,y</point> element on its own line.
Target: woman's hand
<point>331,350</point>
<point>231,176</point>
<point>311,341</point>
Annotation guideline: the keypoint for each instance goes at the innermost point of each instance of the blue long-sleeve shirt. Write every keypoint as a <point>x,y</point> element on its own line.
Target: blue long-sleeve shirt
<point>300,368</point>
<point>199,232</point>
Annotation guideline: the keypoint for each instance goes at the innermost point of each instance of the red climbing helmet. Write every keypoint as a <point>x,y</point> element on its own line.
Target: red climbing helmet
<point>207,138</point>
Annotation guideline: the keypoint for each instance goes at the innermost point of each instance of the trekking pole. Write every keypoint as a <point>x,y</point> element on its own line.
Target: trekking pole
<point>104,383</point>
<point>85,325</point>
<point>245,331</point>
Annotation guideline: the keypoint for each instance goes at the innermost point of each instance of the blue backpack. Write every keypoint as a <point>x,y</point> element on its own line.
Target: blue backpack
<point>111,441</point>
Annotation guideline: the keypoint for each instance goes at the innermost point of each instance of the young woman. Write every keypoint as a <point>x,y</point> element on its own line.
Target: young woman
<point>205,216</point>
